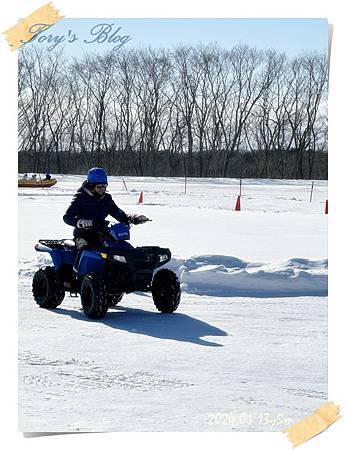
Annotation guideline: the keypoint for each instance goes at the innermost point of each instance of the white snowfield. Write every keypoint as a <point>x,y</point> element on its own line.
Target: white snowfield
<point>247,347</point>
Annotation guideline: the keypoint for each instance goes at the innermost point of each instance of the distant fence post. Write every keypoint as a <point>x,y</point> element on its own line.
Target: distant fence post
<point>240,184</point>
<point>125,184</point>
<point>312,188</point>
<point>185,183</point>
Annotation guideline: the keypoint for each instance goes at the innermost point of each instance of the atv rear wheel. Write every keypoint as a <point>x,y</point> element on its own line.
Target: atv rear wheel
<point>114,299</point>
<point>47,290</point>
<point>93,296</point>
<point>166,291</point>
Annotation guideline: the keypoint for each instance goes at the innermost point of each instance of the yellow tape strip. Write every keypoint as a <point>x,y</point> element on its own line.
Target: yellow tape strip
<point>309,427</point>
<point>43,17</point>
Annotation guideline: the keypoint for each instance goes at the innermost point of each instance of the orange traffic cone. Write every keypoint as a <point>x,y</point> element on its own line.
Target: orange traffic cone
<point>326,208</point>
<point>237,205</point>
<point>141,198</point>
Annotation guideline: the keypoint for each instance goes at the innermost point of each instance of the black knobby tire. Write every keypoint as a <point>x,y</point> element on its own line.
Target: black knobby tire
<point>166,291</point>
<point>93,296</point>
<point>48,292</point>
<point>114,299</point>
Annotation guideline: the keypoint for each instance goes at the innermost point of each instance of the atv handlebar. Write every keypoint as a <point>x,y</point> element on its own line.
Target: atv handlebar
<point>110,222</point>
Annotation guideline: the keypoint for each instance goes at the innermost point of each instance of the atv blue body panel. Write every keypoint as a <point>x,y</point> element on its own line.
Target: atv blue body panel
<point>120,232</point>
<point>59,256</point>
<point>67,256</point>
<point>90,261</point>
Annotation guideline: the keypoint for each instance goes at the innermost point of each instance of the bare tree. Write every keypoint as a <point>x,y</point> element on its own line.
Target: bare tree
<point>195,111</point>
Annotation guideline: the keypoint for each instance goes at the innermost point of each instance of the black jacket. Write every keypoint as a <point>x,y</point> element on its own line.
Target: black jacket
<point>85,205</point>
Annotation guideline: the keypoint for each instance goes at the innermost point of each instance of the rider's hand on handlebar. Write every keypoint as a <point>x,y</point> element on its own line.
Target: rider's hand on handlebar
<point>84,223</point>
<point>136,219</point>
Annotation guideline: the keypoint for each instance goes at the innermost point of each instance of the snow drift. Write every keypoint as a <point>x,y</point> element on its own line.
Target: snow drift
<point>226,276</point>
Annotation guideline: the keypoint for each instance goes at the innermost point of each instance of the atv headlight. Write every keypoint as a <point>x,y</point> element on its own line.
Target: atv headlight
<point>163,258</point>
<point>119,258</point>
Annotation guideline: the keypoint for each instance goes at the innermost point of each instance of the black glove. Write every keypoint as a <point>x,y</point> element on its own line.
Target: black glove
<point>136,219</point>
<point>84,223</point>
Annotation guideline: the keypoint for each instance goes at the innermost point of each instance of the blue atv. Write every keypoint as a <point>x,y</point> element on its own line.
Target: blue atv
<point>104,274</point>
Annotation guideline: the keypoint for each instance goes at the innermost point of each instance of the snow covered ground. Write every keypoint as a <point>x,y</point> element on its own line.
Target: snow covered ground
<point>247,348</point>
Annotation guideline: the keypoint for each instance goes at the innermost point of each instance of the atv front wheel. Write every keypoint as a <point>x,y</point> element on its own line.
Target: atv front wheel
<point>114,299</point>
<point>93,296</point>
<point>166,291</point>
<point>48,292</point>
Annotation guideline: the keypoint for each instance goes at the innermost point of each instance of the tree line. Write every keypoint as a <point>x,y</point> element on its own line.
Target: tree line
<point>200,111</point>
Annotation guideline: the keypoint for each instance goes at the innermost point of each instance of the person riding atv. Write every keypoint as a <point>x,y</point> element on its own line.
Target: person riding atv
<point>88,211</point>
<point>100,264</point>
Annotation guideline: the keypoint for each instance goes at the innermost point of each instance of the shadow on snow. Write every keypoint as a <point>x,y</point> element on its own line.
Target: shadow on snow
<point>177,326</point>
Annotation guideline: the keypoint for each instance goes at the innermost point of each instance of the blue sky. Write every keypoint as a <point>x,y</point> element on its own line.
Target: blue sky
<point>290,35</point>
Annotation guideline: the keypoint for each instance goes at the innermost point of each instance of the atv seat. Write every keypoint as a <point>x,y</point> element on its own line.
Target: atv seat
<point>58,243</point>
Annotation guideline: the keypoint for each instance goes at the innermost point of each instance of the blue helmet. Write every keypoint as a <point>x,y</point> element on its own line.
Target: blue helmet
<point>97,175</point>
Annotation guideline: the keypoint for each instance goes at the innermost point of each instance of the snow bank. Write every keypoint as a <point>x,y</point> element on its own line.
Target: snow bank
<point>226,276</point>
